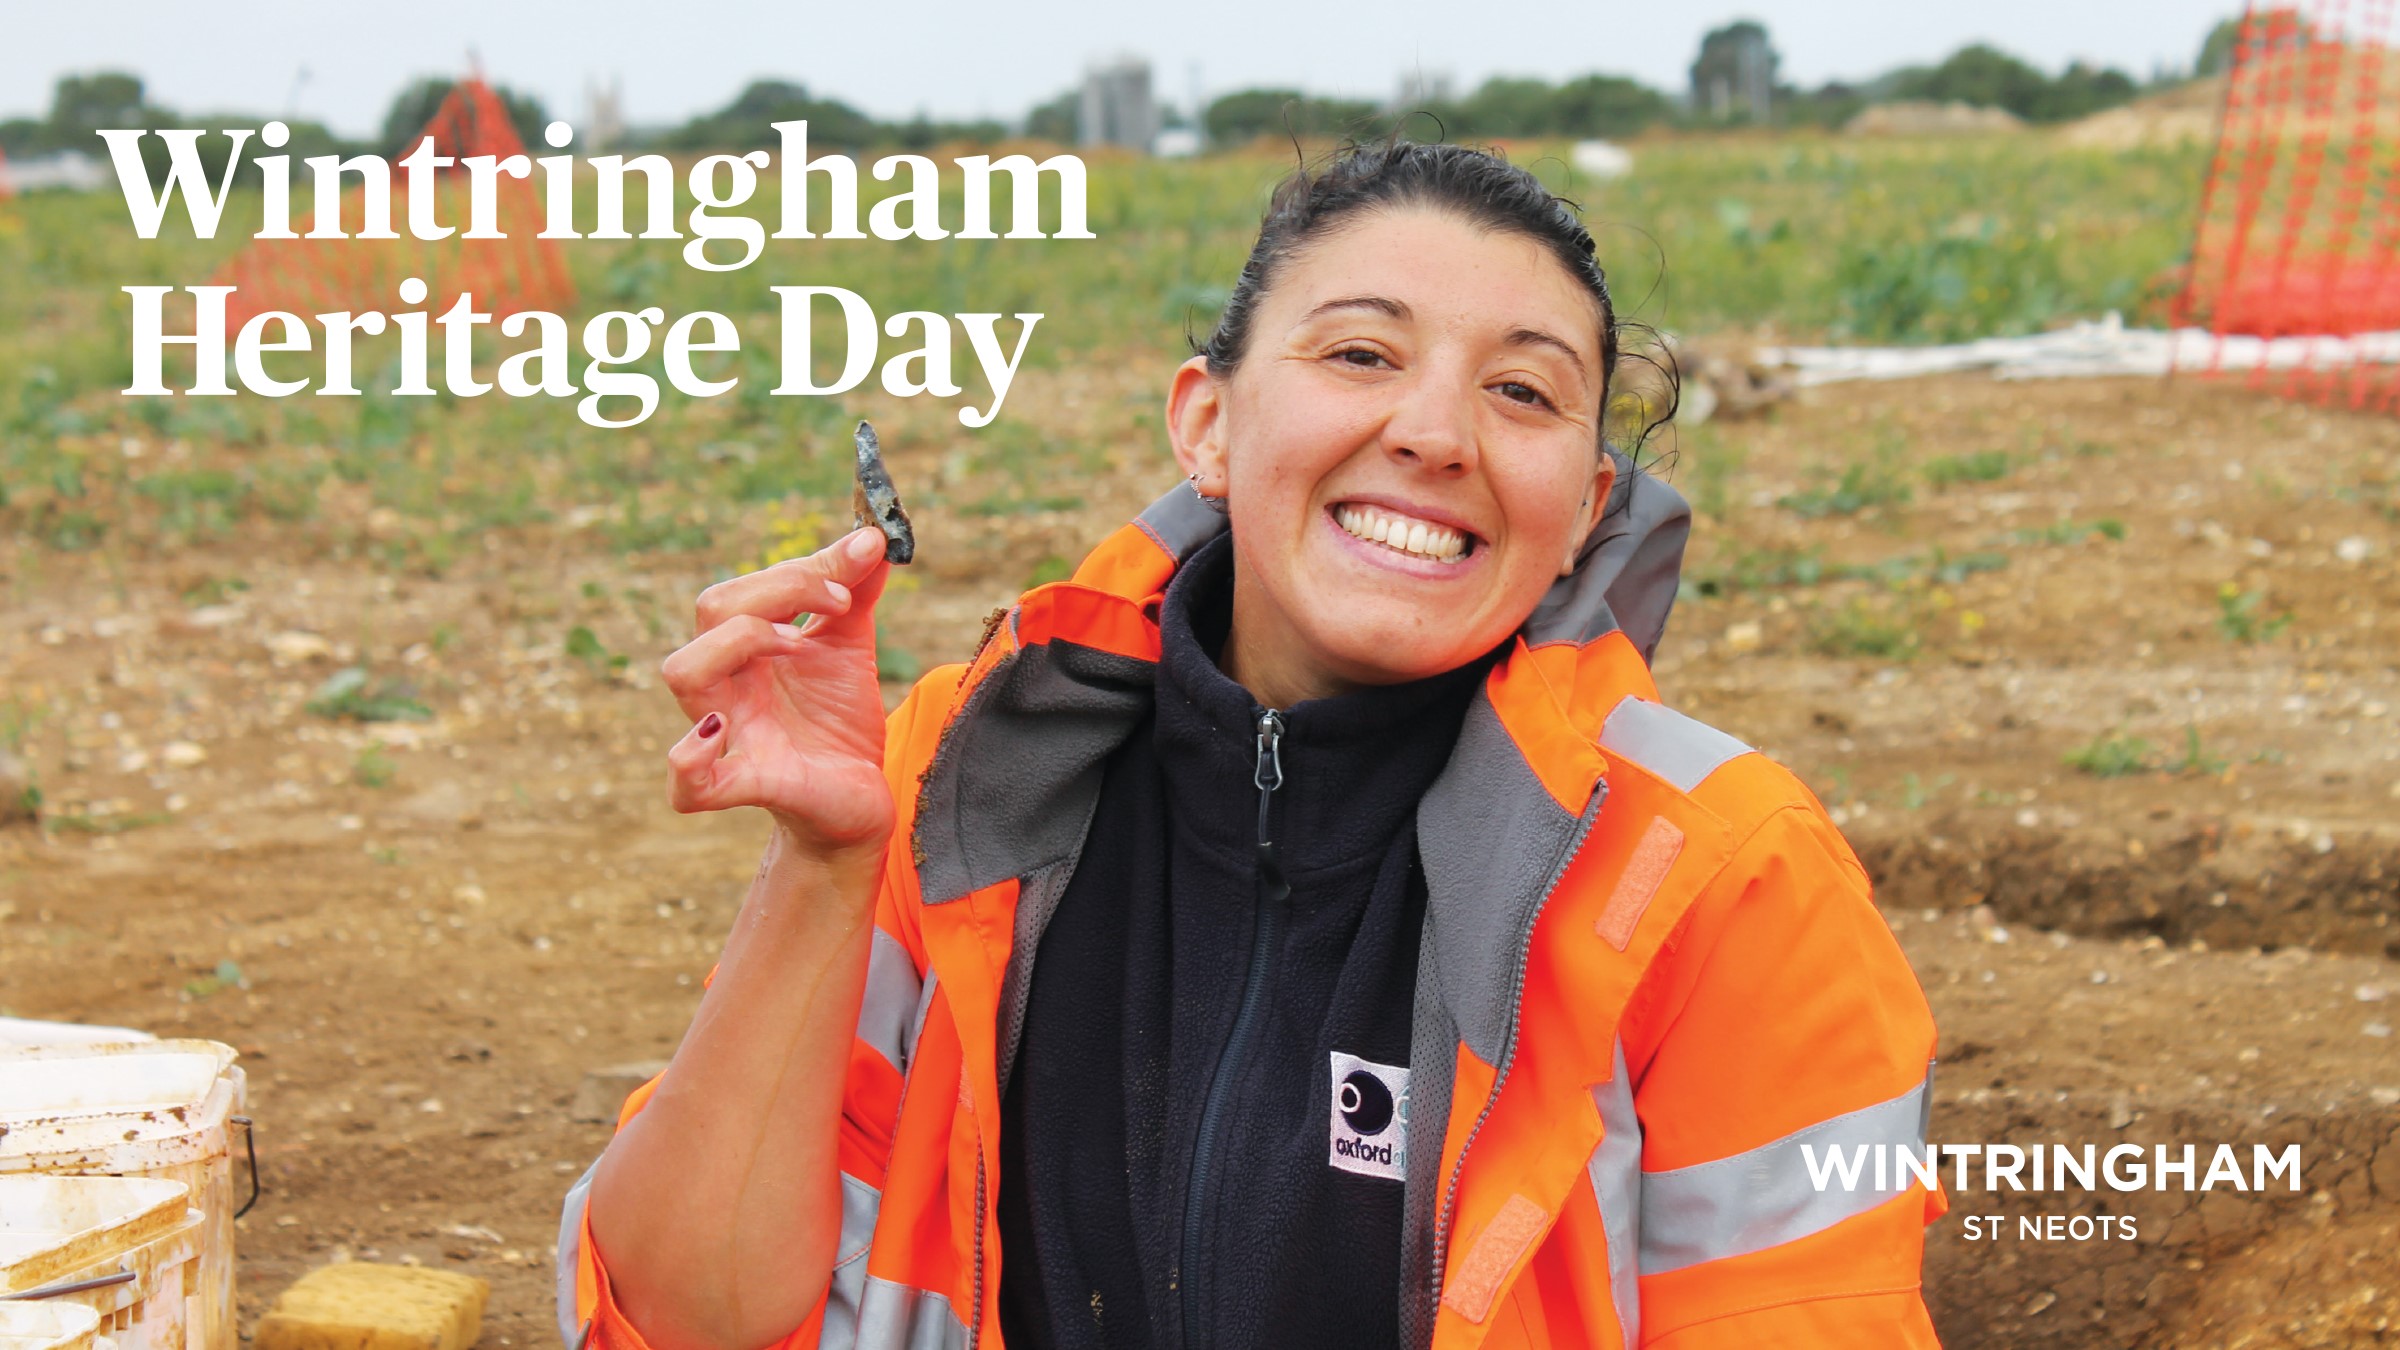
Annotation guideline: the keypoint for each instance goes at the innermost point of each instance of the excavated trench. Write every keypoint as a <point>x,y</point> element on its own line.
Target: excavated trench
<point>2214,985</point>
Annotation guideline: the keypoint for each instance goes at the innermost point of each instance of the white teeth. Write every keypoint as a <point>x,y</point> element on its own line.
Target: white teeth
<point>1405,533</point>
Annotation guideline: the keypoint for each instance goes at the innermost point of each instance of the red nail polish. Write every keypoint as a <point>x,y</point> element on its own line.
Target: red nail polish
<point>711,725</point>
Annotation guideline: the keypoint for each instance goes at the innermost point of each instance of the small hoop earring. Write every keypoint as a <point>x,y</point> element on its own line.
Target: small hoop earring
<point>1216,504</point>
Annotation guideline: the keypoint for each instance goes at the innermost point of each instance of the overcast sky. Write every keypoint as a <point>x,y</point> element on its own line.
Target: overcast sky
<point>340,63</point>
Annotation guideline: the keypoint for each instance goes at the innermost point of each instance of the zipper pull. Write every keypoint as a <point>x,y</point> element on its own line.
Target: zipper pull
<point>1267,777</point>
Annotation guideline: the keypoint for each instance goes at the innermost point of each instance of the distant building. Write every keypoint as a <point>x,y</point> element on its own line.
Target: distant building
<point>1117,106</point>
<point>71,170</point>
<point>604,116</point>
<point>1734,77</point>
<point>1422,89</point>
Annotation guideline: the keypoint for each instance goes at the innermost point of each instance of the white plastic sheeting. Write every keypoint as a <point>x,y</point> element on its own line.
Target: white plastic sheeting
<point>2106,347</point>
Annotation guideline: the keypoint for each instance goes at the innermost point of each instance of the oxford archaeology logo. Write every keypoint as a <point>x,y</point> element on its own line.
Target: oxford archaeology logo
<point>1369,1119</point>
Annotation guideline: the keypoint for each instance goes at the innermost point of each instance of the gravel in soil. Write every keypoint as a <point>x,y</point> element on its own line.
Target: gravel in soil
<point>2106,667</point>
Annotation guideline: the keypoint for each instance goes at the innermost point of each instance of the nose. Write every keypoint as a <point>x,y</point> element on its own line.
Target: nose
<point>1433,426</point>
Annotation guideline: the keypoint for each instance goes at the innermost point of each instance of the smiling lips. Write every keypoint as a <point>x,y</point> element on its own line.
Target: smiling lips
<point>1405,533</point>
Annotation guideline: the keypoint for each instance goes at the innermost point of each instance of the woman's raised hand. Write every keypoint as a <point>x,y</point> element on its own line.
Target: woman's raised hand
<point>786,717</point>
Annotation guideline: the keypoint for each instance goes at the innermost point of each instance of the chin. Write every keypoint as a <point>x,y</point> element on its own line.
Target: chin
<point>1392,652</point>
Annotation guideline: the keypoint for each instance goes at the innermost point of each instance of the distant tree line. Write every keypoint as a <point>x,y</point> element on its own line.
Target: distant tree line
<point>83,105</point>
<point>1734,57</point>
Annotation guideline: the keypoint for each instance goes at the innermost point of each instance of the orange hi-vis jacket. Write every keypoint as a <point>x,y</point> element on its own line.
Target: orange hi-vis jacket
<point>1655,1000</point>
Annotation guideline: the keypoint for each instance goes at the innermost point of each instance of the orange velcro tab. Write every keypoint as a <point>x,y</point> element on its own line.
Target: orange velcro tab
<point>1644,871</point>
<point>1495,1253</point>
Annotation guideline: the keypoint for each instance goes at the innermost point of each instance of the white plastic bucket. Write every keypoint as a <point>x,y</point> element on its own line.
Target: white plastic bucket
<point>49,1326</point>
<point>24,1031</point>
<point>127,1249</point>
<point>157,1109</point>
<point>53,1226</point>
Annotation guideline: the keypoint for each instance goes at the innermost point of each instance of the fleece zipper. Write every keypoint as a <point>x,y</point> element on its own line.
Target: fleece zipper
<point>1508,1045</point>
<point>1272,907</point>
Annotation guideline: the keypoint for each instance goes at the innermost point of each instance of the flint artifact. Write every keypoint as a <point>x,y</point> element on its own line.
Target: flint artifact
<point>874,502</point>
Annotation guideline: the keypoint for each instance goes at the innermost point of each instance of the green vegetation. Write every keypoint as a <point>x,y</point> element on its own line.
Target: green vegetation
<point>351,694</point>
<point>373,767</point>
<point>214,591</point>
<point>227,975</point>
<point>2241,616</point>
<point>1885,628</point>
<point>2113,756</point>
<point>1708,233</point>
<point>1732,82</point>
<point>1990,78</point>
<point>2066,532</point>
<point>414,106</point>
<point>18,718</point>
<point>1774,568</point>
<point>1251,113</point>
<point>82,105</point>
<point>1877,483</point>
<point>584,645</point>
<point>894,664</point>
<point>1971,279</point>
<point>1981,466</point>
<point>2196,760</point>
<point>1915,794</point>
<point>2117,755</point>
<point>747,123</point>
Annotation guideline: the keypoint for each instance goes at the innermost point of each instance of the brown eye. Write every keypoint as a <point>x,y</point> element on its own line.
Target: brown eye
<point>1366,358</point>
<point>1526,394</point>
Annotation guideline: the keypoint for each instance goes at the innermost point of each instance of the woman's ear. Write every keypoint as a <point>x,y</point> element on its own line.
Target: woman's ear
<point>1196,425</point>
<point>1595,501</point>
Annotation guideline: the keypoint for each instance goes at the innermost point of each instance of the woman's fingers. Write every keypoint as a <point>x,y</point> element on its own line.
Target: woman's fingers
<point>698,767</point>
<point>820,583</point>
<point>700,664</point>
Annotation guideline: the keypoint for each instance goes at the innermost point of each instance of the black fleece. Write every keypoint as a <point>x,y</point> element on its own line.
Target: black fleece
<point>1135,990</point>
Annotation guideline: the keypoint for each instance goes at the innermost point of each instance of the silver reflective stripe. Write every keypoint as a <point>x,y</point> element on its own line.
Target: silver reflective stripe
<point>916,1021</point>
<point>1667,743</point>
<point>1616,1170</point>
<point>894,1316</point>
<point>570,1245</point>
<point>892,992</point>
<point>1765,1197</point>
<point>845,1298</point>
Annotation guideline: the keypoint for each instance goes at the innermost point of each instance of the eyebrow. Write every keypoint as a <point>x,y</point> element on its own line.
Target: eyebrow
<point>1535,337</point>
<point>1381,304</point>
<point>1384,304</point>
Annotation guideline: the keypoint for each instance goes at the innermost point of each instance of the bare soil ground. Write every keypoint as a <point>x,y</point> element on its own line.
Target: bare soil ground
<point>421,935</point>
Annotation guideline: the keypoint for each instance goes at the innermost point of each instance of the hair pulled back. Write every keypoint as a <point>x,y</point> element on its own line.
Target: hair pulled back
<point>1478,186</point>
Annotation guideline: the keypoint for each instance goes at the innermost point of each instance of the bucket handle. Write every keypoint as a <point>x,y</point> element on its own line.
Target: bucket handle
<point>71,1287</point>
<point>250,1142</point>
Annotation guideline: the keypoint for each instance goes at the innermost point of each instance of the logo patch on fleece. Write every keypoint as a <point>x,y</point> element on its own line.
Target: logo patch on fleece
<point>1369,1119</point>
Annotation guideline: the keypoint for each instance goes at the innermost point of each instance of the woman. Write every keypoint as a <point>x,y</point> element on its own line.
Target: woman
<point>1406,973</point>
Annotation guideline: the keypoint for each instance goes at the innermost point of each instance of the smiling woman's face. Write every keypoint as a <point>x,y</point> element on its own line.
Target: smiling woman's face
<point>1409,447</point>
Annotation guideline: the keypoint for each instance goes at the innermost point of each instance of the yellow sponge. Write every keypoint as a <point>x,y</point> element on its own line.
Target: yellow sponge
<point>358,1306</point>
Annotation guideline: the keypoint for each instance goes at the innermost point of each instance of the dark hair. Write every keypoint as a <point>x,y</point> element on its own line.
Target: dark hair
<point>1477,185</point>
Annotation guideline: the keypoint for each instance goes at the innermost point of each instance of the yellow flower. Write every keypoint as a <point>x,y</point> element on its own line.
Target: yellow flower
<point>791,537</point>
